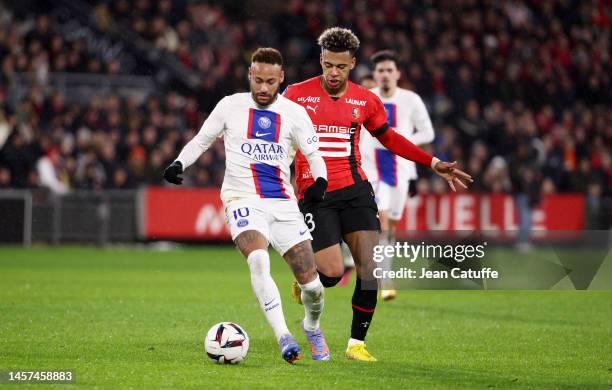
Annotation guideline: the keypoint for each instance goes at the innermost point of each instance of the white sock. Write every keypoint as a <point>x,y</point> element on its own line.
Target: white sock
<point>354,341</point>
<point>312,298</point>
<point>266,291</point>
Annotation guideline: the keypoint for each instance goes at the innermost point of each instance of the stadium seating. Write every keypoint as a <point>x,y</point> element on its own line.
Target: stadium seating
<point>519,92</point>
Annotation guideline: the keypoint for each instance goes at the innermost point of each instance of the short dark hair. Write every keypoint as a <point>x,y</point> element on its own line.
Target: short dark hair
<point>338,39</point>
<point>267,55</point>
<point>384,55</point>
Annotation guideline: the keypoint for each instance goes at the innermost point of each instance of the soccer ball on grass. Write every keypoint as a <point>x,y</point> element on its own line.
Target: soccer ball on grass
<point>226,342</point>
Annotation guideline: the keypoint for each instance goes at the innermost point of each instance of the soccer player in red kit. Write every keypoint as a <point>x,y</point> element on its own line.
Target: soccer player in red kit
<point>339,110</point>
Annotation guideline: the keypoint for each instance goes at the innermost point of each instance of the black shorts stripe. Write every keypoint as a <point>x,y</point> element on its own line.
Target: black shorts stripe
<point>352,159</point>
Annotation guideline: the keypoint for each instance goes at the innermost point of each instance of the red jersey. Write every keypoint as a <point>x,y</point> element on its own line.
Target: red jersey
<point>338,123</point>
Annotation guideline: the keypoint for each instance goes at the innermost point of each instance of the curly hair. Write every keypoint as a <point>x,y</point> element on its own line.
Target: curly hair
<point>338,39</point>
<point>267,55</point>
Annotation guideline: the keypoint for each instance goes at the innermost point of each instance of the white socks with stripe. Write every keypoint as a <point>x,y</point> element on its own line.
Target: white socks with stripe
<point>266,291</point>
<point>312,298</point>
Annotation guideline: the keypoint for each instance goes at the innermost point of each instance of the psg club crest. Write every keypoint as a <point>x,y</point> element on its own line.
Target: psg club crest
<point>264,125</point>
<point>355,112</point>
<point>264,122</point>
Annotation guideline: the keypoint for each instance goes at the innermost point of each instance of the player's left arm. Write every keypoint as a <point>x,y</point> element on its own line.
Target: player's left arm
<point>307,142</point>
<point>424,131</point>
<point>377,125</point>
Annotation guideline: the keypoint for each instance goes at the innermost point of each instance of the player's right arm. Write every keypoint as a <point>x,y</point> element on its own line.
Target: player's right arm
<point>210,130</point>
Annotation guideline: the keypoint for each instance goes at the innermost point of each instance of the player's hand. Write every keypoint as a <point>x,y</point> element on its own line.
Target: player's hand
<point>452,175</point>
<point>172,172</point>
<point>315,193</point>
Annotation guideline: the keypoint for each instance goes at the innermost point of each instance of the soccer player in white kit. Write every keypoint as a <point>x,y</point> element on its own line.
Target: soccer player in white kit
<point>261,132</point>
<point>390,175</point>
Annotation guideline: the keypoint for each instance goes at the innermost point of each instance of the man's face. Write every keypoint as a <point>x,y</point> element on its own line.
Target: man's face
<point>336,69</point>
<point>386,75</point>
<point>265,81</point>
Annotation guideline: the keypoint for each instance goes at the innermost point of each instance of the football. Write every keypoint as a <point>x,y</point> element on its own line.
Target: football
<point>226,342</point>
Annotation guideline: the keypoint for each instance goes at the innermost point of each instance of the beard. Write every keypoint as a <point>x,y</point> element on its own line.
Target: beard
<point>267,99</point>
<point>386,86</point>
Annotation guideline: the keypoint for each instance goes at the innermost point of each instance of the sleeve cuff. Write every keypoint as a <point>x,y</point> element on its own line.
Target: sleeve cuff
<point>434,161</point>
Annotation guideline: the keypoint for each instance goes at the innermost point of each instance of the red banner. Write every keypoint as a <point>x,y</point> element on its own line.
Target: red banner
<point>490,212</point>
<point>183,214</point>
<point>197,214</point>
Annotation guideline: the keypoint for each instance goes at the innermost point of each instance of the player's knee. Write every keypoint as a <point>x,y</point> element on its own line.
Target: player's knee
<point>259,262</point>
<point>331,266</point>
<point>329,281</point>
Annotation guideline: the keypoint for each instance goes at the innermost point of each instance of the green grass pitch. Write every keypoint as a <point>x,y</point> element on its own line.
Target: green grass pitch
<point>129,318</point>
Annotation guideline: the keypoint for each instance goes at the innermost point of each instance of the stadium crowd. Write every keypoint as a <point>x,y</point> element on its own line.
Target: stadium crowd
<point>519,91</point>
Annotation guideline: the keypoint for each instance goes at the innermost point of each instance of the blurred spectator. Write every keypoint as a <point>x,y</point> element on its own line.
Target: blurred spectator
<point>471,125</point>
<point>598,209</point>
<point>5,177</point>
<point>19,157</point>
<point>49,172</point>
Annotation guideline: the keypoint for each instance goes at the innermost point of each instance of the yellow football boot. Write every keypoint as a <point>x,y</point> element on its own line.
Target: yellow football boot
<point>296,292</point>
<point>359,352</point>
<point>388,295</point>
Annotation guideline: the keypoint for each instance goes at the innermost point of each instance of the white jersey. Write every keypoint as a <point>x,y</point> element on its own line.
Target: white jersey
<point>260,144</point>
<point>407,114</point>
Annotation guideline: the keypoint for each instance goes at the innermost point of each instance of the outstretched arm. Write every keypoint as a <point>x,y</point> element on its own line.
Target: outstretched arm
<point>210,130</point>
<point>377,119</point>
<point>402,147</point>
<point>406,149</point>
